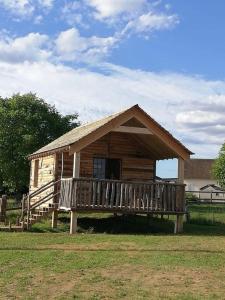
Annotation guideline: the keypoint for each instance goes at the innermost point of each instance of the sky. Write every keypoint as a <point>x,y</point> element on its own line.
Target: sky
<point>97,57</point>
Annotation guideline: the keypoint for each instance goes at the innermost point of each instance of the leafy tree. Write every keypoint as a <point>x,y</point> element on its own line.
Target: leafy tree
<point>219,167</point>
<point>26,124</point>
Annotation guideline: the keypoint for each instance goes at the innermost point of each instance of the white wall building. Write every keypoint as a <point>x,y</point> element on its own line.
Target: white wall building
<point>198,177</point>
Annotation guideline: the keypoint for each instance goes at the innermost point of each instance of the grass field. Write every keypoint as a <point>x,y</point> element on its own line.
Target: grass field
<point>143,260</point>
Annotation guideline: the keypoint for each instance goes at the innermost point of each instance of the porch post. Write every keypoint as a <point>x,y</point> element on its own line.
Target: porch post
<point>178,226</point>
<point>76,174</point>
<point>180,170</point>
<point>76,165</point>
<point>73,222</point>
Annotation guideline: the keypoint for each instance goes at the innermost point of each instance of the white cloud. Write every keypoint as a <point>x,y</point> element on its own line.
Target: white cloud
<point>28,48</point>
<point>73,14</point>
<point>71,46</point>
<point>18,7</point>
<point>149,22</point>
<point>170,98</point>
<point>46,3</point>
<point>113,8</point>
<point>25,8</point>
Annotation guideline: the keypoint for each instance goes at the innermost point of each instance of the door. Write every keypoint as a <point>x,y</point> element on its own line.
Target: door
<point>113,169</point>
<point>107,168</point>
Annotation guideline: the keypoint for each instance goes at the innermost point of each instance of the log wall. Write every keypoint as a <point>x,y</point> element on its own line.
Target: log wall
<point>45,172</point>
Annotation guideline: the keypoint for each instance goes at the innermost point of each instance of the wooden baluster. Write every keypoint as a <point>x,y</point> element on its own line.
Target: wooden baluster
<point>82,192</point>
<point>165,198</point>
<point>89,192</point>
<point>147,198</point>
<point>134,196</point>
<point>126,195</point>
<point>144,197</point>
<point>121,195</point>
<point>168,197</point>
<point>152,197</point>
<point>130,188</point>
<point>78,196</point>
<point>107,194</point>
<point>94,193</point>
<point>99,194</point>
<point>103,193</point>
<point>113,191</point>
<point>157,192</point>
<point>118,189</point>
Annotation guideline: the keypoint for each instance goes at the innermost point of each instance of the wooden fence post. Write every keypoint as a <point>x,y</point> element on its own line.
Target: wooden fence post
<point>3,204</point>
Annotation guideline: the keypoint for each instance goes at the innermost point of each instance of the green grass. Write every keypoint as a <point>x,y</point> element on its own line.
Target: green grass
<point>131,257</point>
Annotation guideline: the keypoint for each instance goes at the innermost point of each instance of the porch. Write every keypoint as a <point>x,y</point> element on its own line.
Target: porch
<point>82,194</point>
<point>118,196</point>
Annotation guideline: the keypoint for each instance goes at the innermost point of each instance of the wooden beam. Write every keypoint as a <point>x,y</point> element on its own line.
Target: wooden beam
<point>180,170</point>
<point>73,222</point>
<point>101,131</point>
<point>136,130</point>
<point>160,132</point>
<point>76,165</point>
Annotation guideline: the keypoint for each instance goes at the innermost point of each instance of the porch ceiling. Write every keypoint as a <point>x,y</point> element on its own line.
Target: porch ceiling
<point>152,145</point>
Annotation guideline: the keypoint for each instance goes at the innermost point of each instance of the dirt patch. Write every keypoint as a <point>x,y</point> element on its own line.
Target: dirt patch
<point>106,246</point>
<point>170,282</point>
<point>122,282</point>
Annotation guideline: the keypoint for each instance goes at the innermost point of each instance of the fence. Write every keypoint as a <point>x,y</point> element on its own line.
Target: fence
<point>206,207</point>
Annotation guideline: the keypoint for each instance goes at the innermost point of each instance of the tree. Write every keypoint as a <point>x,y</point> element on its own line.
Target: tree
<point>26,124</point>
<point>219,167</point>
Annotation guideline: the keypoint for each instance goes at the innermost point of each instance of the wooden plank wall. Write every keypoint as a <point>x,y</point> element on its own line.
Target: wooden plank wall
<point>67,165</point>
<point>136,165</point>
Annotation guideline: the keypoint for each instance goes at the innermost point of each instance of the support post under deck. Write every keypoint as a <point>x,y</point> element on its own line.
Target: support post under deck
<point>73,222</point>
<point>54,219</point>
<point>178,226</point>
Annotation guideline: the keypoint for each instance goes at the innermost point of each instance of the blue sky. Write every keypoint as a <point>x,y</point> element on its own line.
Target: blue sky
<point>97,57</point>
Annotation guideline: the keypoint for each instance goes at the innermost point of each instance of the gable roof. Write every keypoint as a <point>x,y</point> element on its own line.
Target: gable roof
<point>198,169</point>
<point>214,186</point>
<point>81,136</point>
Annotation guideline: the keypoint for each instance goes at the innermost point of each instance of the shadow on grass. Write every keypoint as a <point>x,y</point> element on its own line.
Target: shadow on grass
<point>132,224</point>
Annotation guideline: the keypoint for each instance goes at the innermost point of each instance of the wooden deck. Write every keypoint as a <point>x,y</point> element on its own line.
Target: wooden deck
<point>85,194</point>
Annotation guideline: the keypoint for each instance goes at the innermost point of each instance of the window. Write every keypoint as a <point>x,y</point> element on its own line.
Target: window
<point>106,168</point>
<point>36,169</point>
<point>99,170</point>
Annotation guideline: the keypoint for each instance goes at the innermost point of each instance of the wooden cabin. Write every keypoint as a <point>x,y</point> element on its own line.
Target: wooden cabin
<point>108,165</point>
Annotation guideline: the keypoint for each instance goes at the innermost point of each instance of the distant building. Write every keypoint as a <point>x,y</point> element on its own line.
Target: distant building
<point>198,174</point>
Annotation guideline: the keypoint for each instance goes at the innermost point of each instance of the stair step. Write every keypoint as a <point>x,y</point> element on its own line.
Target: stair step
<point>36,216</point>
<point>53,205</point>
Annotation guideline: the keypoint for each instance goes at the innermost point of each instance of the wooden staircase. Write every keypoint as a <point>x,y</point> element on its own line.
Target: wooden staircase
<point>36,206</point>
<point>38,215</point>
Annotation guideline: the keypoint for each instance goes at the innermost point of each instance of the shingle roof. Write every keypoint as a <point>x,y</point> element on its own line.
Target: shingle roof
<point>198,169</point>
<point>78,133</point>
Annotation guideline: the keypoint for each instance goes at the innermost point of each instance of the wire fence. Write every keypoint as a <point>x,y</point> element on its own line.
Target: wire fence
<point>206,207</point>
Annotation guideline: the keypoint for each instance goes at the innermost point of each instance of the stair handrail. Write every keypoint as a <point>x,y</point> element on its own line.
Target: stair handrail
<point>46,198</point>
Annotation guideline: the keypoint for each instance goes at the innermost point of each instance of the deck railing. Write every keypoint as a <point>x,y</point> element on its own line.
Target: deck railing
<point>115,195</point>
